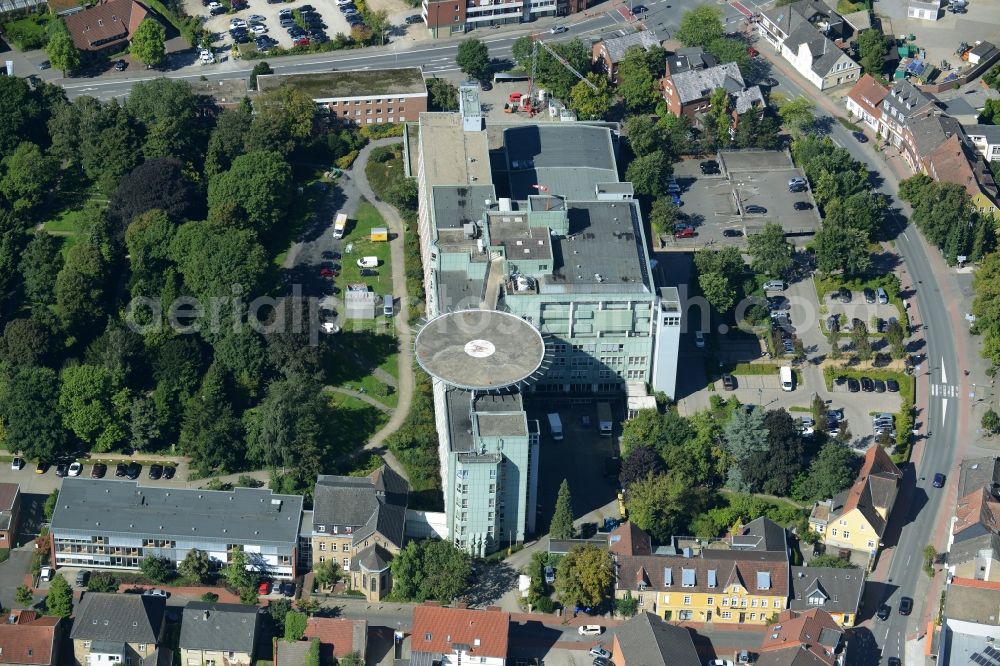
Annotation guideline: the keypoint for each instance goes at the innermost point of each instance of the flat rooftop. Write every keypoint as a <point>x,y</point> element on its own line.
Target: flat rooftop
<point>102,506</point>
<point>453,156</point>
<point>570,160</point>
<point>457,205</point>
<point>500,415</point>
<point>603,253</point>
<point>349,83</point>
<point>479,349</point>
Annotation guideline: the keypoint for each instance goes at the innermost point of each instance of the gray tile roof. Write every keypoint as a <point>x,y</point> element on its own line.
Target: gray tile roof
<point>839,589</point>
<point>618,46</point>
<point>372,558</point>
<point>824,52</point>
<point>761,534</point>
<point>977,473</point>
<point>646,640</point>
<point>970,549</point>
<point>751,98</point>
<point>810,12</point>
<point>692,57</point>
<point>907,100</point>
<point>698,84</point>
<point>365,505</point>
<point>226,627</point>
<point>930,131</point>
<point>243,515</point>
<point>126,618</point>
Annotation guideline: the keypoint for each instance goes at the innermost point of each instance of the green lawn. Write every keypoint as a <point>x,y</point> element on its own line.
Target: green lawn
<point>359,240</point>
<point>30,32</point>
<point>353,422</point>
<point>68,225</point>
<point>356,354</point>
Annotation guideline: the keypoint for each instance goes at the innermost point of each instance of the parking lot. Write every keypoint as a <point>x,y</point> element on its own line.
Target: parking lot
<point>331,16</point>
<point>716,203</point>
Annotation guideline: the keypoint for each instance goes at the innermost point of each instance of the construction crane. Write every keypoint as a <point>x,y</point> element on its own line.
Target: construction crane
<point>534,70</point>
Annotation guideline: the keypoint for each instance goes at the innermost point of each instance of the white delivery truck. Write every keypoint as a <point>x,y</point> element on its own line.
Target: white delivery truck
<point>604,418</point>
<point>555,425</point>
<point>787,379</point>
<point>340,225</point>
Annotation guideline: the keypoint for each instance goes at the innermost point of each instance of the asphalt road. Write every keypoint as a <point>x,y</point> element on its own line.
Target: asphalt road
<point>435,57</point>
<point>918,505</point>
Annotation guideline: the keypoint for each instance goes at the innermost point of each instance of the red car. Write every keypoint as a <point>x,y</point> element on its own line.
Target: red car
<point>301,41</point>
<point>686,232</point>
<point>265,587</point>
<point>327,272</point>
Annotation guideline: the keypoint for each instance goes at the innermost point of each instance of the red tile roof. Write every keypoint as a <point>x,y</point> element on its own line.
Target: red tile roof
<point>339,633</point>
<point>436,629</point>
<point>978,507</point>
<point>979,584</point>
<point>32,640</point>
<point>813,631</point>
<point>627,539</point>
<point>868,94</point>
<point>8,493</point>
<point>875,488</point>
<point>105,24</point>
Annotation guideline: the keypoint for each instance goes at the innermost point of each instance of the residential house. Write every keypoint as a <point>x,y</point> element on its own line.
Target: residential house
<point>955,160</point>
<point>689,93</point>
<point>214,634</point>
<point>986,139</point>
<point>834,590</point>
<point>359,523</point>
<point>361,96</point>
<point>741,580</point>
<point>646,640</point>
<point>856,518</point>
<point>124,628</point>
<point>445,18</point>
<point>337,636</point>
<point>903,103</point>
<point>30,639</point>
<point>10,508</point>
<point>809,35</point>
<point>974,542</point>
<point>970,627</point>
<point>452,636</point>
<point>106,26</point>
<point>106,523</point>
<point>809,638</point>
<point>927,10</point>
<point>692,57</point>
<point>607,53</point>
<point>864,101</point>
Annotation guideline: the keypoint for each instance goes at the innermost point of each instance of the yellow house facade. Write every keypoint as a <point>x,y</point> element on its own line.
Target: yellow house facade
<point>856,518</point>
<point>724,587</point>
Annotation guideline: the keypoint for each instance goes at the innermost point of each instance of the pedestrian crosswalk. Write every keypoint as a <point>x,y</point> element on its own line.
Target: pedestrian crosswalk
<point>944,390</point>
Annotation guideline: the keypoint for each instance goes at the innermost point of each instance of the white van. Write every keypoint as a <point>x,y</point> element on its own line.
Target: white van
<point>387,307</point>
<point>368,262</point>
<point>591,630</point>
<point>787,378</point>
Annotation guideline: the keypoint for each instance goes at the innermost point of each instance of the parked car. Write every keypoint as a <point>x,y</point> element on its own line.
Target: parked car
<point>774,285</point>
<point>853,385</point>
<point>155,471</point>
<point>257,18</point>
<point>258,29</point>
<point>368,272</point>
<point>709,167</point>
<point>367,262</point>
<point>882,296</point>
<point>732,233</point>
<point>833,323</point>
<point>45,64</point>
<point>598,651</point>
<point>802,205</point>
<point>81,577</point>
<point>133,471</point>
<point>287,589</point>
<point>686,232</point>
<point>550,575</point>
<point>860,137</point>
<point>883,612</point>
<point>699,339</point>
<point>284,13</point>
<point>121,469</point>
<point>98,471</point>
<point>892,386</point>
<point>75,468</point>
<point>867,385</point>
<point>168,472</point>
<point>601,661</point>
<point>120,65</point>
<point>770,82</point>
<point>46,573</point>
<point>869,295</point>
<point>558,29</point>
<point>844,295</point>
<point>729,382</point>
<point>939,480</point>
<point>640,9</point>
<point>156,592</point>
<point>264,587</point>
<point>879,386</point>
<point>17,463</point>
<point>755,210</point>
<point>237,23</point>
<point>590,630</point>
<point>62,469</point>
<point>415,18</point>
<point>796,182</point>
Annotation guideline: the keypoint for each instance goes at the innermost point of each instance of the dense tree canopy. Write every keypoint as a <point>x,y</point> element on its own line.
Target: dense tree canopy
<point>253,194</point>
<point>473,58</point>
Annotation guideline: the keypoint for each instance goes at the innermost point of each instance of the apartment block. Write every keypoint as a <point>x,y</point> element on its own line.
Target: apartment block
<point>444,18</point>
<point>742,580</point>
<point>531,221</point>
<point>359,523</point>
<point>359,97</point>
<point>110,524</point>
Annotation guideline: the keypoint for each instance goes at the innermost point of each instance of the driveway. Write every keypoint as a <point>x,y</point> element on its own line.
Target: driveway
<point>12,574</point>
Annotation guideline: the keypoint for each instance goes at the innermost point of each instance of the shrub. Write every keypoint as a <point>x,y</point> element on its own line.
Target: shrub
<point>347,160</point>
<point>102,581</point>
<point>382,131</point>
<point>210,597</point>
<point>544,605</point>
